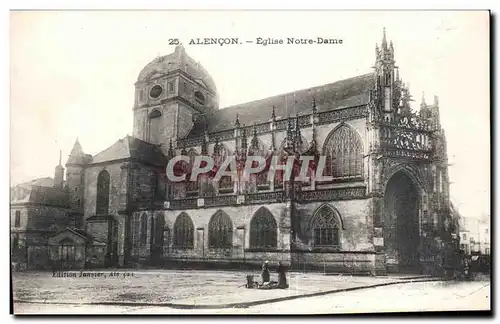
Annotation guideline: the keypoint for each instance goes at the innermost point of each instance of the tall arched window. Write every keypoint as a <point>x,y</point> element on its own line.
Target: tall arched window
<point>143,229</point>
<point>263,230</point>
<point>326,227</point>
<point>183,231</point>
<point>102,201</point>
<point>344,154</point>
<point>220,230</point>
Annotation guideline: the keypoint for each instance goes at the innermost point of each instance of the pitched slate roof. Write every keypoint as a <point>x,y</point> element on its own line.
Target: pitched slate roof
<point>345,93</point>
<point>40,195</point>
<point>44,182</point>
<point>40,191</point>
<point>134,148</point>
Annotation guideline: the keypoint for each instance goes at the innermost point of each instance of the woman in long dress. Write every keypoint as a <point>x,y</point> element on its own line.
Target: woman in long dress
<point>265,272</point>
<point>282,276</point>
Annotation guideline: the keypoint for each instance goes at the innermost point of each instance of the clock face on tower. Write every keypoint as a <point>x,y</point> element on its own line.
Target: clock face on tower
<point>155,91</point>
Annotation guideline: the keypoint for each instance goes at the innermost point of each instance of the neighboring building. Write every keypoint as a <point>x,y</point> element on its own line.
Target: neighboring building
<point>38,209</point>
<point>386,209</point>
<point>475,235</point>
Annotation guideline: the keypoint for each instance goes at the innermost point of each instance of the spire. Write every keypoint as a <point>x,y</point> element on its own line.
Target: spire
<point>289,135</point>
<point>384,40</point>
<point>77,149</point>
<point>216,146</point>
<point>244,143</point>
<point>272,148</point>
<point>422,103</point>
<point>59,174</point>
<point>313,140</point>
<point>298,135</point>
<point>314,106</point>
<point>255,139</point>
<point>385,54</point>
<point>170,149</point>
<point>273,114</point>
<point>204,146</point>
<point>237,123</point>
<point>60,157</point>
<point>77,156</point>
<point>183,150</point>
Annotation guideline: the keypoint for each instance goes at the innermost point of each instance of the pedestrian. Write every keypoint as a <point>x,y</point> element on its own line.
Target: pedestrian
<point>265,272</point>
<point>281,276</point>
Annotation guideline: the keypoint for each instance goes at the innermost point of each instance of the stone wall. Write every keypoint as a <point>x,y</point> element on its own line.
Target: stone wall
<point>117,188</point>
<point>354,216</point>
<point>356,252</point>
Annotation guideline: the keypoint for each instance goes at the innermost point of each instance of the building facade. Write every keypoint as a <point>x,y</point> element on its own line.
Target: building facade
<point>386,208</point>
<point>475,236</point>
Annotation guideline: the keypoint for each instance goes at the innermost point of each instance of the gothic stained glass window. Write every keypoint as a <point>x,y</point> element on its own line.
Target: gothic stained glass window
<point>325,228</point>
<point>183,231</point>
<point>220,231</point>
<point>143,233</point>
<point>263,230</point>
<point>344,154</point>
<point>102,201</point>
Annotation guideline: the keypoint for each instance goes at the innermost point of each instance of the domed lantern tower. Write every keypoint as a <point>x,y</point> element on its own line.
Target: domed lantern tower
<point>170,91</point>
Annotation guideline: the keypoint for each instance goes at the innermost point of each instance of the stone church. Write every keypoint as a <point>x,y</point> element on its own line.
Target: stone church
<point>386,207</point>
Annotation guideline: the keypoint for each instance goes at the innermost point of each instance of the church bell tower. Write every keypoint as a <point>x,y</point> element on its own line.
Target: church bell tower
<point>170,93</point>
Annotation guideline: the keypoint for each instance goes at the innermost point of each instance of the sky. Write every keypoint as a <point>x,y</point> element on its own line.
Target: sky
<point>72,74</point>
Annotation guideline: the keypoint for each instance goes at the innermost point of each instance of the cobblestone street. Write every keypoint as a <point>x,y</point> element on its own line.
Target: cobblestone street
<point>422,296</point>
<point>168,286</point>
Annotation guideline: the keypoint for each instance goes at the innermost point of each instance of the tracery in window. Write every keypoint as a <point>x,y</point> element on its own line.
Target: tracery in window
<point>220,230</point>
<point>183,231</point>
<point>344,154</point>
<point>263,229</point>
<point>326,227</point>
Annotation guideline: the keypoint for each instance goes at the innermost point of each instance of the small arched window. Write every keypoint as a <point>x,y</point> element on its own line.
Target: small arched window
<point>200,98</point>
<point>155,114</point>
<point>102,201</point>
<point>183,231</point>
<point>220,230</point>
<point>263,230</point>
<point>326,228</point>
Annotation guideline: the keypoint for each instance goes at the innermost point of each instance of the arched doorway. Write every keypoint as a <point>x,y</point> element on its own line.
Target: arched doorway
<point>401,224</point>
